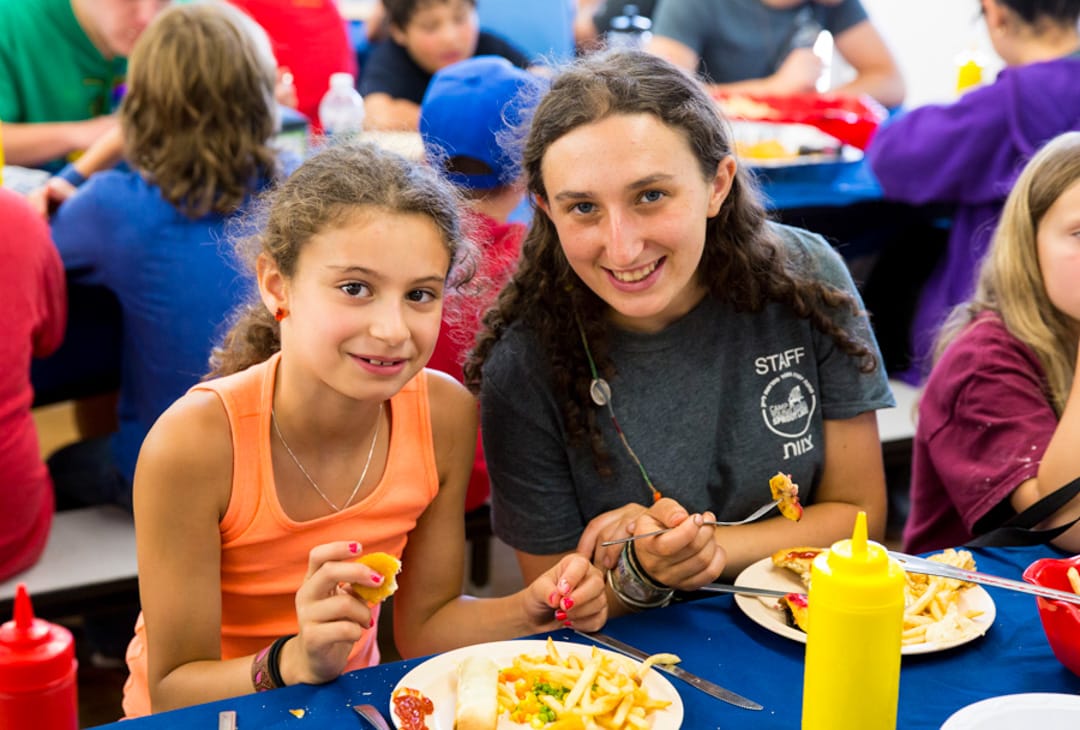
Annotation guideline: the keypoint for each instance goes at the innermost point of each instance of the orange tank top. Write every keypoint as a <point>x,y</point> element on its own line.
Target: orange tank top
<point>264,553</point>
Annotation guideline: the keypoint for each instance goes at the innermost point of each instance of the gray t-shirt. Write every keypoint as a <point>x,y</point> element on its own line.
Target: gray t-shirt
<point>713,405</point>
<point>738,40</point>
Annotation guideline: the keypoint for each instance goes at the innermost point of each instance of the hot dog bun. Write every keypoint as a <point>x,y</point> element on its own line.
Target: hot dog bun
<point>477,706</point>
<point>385,565</point>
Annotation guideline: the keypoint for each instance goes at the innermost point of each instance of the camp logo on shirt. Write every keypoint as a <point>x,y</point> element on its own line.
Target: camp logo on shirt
<point>788,401</point>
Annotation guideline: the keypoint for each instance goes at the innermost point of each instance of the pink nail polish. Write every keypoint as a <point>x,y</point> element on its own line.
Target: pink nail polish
<point>353,547</point>
<point>553,599</point>
<point>568,624</point>
<point>376,578</point>
<point>564,587</point>
<point>568,603</point>
<point>560,615</point>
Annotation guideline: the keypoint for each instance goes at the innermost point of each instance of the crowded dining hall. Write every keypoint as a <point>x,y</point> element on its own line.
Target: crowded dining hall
<point>562,365</point>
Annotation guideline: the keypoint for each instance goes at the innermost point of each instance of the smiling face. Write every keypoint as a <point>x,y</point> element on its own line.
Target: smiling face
<point>115,25</point>
<point>364,303</point>
<point>1058,242</point>
<point>629,202</point>
<point>440,33</point>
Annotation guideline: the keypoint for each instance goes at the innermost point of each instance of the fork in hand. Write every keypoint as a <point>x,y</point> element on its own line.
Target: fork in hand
<point>759,512</point>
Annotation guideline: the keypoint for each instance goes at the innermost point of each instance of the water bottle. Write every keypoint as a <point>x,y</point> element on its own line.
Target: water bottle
<point>37,672</point>
<point>629,30</point>
<point>851,677</point>
<point>341,111</point>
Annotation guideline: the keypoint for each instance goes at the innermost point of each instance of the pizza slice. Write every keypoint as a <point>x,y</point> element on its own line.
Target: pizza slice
<point>786,493</point>
<point>796,610</point>
<point>798,560</point>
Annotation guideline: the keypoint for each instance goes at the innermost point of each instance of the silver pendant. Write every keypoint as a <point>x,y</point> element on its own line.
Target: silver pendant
<point>600,392</point>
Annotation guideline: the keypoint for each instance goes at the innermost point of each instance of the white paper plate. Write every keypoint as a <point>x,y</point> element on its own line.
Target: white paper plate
<point>1042,710</point>
<point>763,611</point>
<point>437,680</point>
<point>792,138</point>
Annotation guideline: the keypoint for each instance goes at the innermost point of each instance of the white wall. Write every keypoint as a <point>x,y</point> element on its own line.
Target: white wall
<point>925,36</point>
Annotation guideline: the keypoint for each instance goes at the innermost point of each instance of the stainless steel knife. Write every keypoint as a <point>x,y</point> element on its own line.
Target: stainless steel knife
<point>674,670</point>
<point>743,590</point>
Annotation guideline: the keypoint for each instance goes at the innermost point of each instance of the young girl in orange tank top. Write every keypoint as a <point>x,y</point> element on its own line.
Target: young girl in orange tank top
<point>325,440</point>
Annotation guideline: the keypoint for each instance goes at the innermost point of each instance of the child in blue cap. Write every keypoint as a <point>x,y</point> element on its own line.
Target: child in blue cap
<point>468,109</point>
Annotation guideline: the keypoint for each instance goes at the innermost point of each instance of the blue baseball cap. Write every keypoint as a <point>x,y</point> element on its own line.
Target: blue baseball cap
<point>466,107</point>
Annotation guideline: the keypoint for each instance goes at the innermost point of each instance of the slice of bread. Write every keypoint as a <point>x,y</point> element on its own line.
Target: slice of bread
<point>477,704</point>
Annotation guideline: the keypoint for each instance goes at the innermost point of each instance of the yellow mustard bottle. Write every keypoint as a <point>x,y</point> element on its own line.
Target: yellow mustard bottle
<point>851,677</point>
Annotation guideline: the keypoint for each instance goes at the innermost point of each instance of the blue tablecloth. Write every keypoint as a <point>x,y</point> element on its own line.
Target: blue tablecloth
<point>716,641</point>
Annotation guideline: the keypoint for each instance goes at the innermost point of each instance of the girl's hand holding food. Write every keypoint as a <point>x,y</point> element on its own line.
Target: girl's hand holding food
<point>570,594</point>
<point>331,615</point>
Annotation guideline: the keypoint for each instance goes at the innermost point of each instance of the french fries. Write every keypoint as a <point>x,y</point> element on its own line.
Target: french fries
<point>557,692</point>
<point>1074,578</point>
<point>932,612</point>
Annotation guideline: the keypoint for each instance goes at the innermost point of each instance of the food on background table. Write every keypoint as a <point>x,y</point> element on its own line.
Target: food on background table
<point>1074,578</point>
<point>477,703</point>
<point>385,565</point>
<point>738,106</point>
<point>411,707</point>
<point>571,692</point>
<point>787,492</point>
<point>798,560</point>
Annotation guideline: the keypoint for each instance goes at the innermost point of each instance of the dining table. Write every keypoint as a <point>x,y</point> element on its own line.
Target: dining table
<point>716,641</point>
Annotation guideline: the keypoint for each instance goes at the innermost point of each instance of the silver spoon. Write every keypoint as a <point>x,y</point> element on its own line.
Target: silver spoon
<point>759,512</point>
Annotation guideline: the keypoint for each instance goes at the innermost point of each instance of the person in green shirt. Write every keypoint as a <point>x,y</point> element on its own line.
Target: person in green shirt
<point>62,65</point>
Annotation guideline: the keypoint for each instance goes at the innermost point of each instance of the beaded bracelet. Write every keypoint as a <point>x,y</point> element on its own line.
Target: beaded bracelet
<point>266,666</point>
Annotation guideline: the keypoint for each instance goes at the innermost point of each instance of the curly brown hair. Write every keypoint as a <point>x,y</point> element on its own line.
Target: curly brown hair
<point>744,263</point>
<point>199,114</point>
<point>325,192</point>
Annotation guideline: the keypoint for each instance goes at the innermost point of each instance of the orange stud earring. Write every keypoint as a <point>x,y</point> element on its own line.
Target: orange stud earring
<point>280,314</point>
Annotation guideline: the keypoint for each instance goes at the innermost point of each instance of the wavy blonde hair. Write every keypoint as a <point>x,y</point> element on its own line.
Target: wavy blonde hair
<point>1010,282</point>
<point>199,114</point>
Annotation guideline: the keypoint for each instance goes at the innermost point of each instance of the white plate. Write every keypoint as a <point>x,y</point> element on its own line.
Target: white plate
<point>437,679</point>
<point>1043,710</point>
<point>763,611</point>
<point>792,138</point>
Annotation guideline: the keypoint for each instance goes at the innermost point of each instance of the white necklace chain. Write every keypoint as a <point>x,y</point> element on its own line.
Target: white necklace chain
<point>371,452</point>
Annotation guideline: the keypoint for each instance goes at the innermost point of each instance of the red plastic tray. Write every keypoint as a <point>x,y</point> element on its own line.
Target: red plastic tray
<point>852,120</point>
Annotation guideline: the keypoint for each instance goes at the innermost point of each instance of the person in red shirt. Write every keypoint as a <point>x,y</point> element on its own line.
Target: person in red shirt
<point>1000,417</point>
<point>33,312</point>
<point>468,107</point>
<point>310,40</point>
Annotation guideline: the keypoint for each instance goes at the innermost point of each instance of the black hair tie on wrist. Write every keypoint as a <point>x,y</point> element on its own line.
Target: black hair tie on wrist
<point>273,660</point>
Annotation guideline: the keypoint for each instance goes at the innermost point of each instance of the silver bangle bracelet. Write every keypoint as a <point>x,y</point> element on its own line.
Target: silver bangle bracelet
<point>634,603</point>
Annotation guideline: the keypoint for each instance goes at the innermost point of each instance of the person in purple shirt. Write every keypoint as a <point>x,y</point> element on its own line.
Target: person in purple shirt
<point>967,154</point>
<point>1000,417</point>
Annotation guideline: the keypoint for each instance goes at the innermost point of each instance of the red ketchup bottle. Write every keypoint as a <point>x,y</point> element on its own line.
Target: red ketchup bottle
<point>37,672</point>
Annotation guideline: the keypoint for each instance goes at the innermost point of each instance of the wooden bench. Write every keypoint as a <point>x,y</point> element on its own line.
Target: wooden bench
<point>90,557</point>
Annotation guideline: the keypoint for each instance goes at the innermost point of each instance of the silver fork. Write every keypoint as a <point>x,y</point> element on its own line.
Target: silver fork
<point>372,715</point>
<point>759,512</point>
